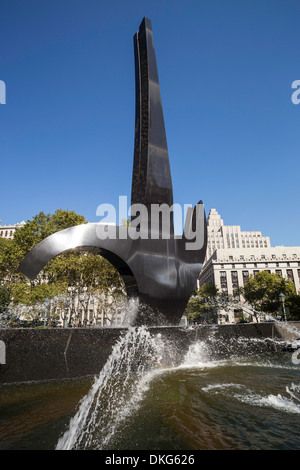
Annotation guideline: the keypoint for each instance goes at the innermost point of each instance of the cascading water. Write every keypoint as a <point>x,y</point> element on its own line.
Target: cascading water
<point>116,392</point>
<point>139,359</point>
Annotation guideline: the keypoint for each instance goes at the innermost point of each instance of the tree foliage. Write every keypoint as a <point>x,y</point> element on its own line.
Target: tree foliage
<point>261,294</point>
<point>206,303</point>
<point>262,291</point>
<point>5,294</point>
<point>293,304</point>
<point>77,270</point>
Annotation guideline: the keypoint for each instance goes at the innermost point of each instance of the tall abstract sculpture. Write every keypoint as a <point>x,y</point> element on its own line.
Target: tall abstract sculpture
<point>157,267</point>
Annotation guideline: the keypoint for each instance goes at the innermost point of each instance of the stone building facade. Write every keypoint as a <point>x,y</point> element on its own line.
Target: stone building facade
<point>231,268</point>
<point>220,236</point>
<point>8,231</point>
<point>233,255</point>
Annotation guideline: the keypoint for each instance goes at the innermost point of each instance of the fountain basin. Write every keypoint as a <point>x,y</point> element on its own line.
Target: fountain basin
<point>60,353</point>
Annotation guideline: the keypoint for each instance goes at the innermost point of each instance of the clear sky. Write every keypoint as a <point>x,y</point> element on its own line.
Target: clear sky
<point>225,68</point>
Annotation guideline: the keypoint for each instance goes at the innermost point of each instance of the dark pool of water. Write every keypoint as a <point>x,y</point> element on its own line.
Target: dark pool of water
<point>245,403</point>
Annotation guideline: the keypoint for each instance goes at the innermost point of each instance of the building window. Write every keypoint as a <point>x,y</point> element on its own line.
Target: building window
<point>246,276</point>
<point>290,275</point>
<point>223,280</point>
<point>238,314</point>
<point>278,272</point>
<point>236,294</point>
<point>234,280</point>
<point>255,273</point>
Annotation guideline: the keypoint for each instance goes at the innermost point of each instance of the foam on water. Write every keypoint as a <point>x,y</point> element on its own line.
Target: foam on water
<point>239,392</point>
<point>198,356</point>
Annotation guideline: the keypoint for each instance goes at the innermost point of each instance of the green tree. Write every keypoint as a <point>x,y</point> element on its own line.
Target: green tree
<point>262,291</point>
<point>34,231</point>
<point>9,254</point>
<point>5,294</point>
<point>42,225</point>
<point>77,270</point>
<point>24,293</point>
<point>81,270</point>
<point>206,303</point>
<point>293,304</point>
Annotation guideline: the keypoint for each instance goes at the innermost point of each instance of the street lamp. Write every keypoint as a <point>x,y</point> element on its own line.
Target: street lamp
<point>282,297</point>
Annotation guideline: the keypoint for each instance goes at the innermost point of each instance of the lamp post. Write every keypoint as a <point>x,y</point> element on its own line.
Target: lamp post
<point>282,297</point>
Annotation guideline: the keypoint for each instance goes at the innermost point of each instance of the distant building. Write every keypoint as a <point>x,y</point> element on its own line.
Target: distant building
<point>8,231</point>
<point>233,255</point>
<point>231,268</point>
<point>220,236</point>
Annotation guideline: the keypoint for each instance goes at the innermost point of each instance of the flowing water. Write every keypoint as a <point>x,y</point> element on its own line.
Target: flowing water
<point>246,400</point>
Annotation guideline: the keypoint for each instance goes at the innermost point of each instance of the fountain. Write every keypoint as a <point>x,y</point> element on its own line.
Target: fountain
<point>155,387</point>
<point>116,391</point>
<point>226,370</point>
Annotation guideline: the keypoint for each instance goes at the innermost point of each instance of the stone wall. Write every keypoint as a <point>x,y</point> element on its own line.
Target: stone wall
<point>46,354</point>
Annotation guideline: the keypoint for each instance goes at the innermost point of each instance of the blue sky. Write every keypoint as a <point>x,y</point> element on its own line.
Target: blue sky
<point>225,70</point>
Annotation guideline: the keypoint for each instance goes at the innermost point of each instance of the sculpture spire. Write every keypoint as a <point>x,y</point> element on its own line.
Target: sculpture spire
<point>151,181</point>
<point>160,270</point>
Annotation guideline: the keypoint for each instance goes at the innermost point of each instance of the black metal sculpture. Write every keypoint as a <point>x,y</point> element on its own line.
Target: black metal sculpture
<point>159,268</point>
